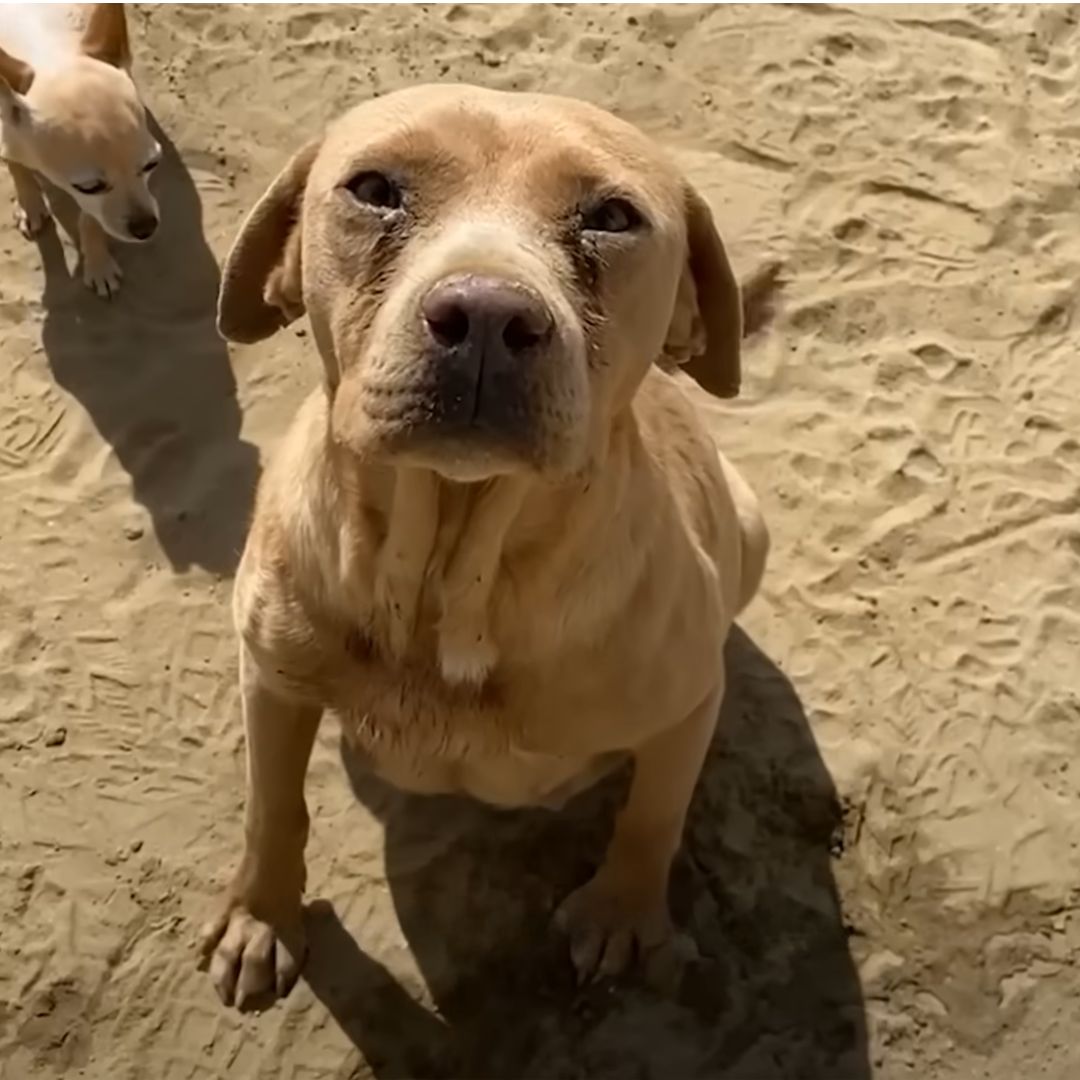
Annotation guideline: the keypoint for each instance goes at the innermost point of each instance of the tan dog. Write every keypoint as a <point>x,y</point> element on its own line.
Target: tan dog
<point>499,545</point>
<point>69,112</point>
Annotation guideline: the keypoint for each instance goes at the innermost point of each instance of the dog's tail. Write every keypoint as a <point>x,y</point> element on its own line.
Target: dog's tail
<point>760,294</point>
<point>760,298</point>
<point>753,535</point>
<point>755,554</point>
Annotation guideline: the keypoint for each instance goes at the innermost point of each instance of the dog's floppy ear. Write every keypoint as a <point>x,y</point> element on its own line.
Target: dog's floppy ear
<point>15,75</point>
<point>706,327</point>
<point>105,36</point>
<point>262,281</point>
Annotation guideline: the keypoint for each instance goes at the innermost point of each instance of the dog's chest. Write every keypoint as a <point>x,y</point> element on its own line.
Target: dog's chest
<point>425,736</point>
<point>530,734</point>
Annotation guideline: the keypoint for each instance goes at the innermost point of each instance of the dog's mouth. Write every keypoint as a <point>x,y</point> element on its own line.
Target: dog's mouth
<point>137,227</point>
<point>455,422</point>
<point>466,426</point>
<point>134,232</point>
<point>476,376</point>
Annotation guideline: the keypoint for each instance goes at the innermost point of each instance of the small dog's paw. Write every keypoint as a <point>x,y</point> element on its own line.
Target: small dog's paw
<point>466,654</point>
<point>103,276</point>
<point>609,926</point>
<point>251,963</point>
<point>31,223</point>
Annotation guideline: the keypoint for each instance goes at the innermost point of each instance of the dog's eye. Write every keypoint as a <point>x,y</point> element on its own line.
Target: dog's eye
<point>376,190</point>
<point>150,166</point>
<point>611,216</point>
<point>95,187</point>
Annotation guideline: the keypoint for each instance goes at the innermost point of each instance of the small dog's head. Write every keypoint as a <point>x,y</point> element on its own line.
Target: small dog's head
<point>81,125</point>
<point>488,277</point>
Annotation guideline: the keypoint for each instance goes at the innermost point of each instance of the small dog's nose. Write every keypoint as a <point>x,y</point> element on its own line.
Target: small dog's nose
<point>142,226</point>
<point>487,316</point>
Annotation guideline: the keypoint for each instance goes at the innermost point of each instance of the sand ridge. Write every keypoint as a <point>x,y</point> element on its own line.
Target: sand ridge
<point>882,860</point>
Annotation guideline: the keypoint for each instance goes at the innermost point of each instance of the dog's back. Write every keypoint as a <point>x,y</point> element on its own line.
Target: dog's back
<point>43,35</point>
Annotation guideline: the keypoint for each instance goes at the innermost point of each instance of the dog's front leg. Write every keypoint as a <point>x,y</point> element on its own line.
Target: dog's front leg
<point>31,209</point>
<point>623,909</point>
<point>255,945</point>
<point>101,272</point>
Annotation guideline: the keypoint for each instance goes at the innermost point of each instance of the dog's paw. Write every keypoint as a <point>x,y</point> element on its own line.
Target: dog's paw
<point>466,653</point>
<point>610,927</point>
<point>251,962</point>
<point>31,223</point>
<point>103,276</point>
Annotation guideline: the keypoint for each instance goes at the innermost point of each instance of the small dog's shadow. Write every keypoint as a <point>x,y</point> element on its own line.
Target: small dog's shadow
<point>775,995</point>
<point>153,374</point>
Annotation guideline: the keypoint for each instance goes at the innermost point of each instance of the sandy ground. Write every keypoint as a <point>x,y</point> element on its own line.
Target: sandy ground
<point>882,866</point>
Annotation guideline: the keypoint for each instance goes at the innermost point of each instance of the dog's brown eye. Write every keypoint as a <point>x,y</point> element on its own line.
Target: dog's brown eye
<point>611,216</point>
<point>374,189</point>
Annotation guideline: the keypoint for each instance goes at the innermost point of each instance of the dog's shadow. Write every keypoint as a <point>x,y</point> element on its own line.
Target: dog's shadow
<point>154,376</point>
<point>775,996</point>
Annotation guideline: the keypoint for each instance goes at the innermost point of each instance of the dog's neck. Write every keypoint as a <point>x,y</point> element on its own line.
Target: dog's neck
<point>415,549</point>
<point>386,499</point>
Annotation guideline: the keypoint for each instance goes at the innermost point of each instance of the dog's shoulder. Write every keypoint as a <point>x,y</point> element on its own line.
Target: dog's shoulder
<point>676,437</point>
<point>283,573</point>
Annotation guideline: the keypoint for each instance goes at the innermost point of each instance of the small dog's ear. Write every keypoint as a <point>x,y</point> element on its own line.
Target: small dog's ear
<point>105,36</point>
<point>262,280</point>
<point>17,75</point>
<point>706,328</point>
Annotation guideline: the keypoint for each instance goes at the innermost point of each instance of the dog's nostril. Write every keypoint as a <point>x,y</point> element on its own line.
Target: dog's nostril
<point>449,324</point>
<point>519,335</point>
<point>485,314</point>
<point>143,228</point>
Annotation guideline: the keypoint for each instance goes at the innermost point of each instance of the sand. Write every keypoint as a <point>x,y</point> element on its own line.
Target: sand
<point>882,863</point>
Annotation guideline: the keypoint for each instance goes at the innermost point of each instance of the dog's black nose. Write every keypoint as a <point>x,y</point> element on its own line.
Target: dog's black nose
<point>143,226</point>
<point>487,317</point>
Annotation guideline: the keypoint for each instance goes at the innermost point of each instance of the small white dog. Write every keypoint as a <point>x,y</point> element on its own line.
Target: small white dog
<point>70,113</point>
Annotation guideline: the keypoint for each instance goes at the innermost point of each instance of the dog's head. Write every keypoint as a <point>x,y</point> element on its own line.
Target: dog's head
<point>81,125</point>
<point>487,275</point>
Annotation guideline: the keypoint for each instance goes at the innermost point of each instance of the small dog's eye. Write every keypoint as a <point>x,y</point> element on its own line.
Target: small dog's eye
<point>374,189</point>
<point>611,216</point>
<point>94,188</point>
<point>150,166</point>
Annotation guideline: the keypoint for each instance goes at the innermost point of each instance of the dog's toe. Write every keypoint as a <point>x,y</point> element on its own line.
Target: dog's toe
<point>103,277</point>
<point>609,927</point>
<point>251,963</point>
<point>31,224</point>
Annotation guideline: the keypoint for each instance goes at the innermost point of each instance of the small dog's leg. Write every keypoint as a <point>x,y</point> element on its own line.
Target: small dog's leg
<point>255,944</point>
<point>31,209</point>
<point>623,910</point>
<point>403,558</point>
<point>466,651</point>
<point>100,270</point>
